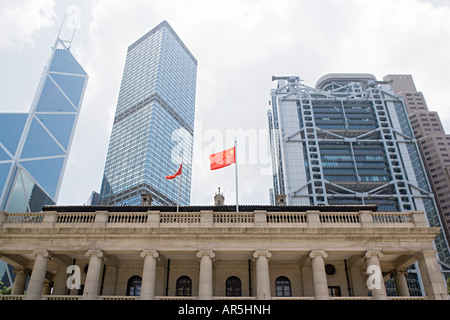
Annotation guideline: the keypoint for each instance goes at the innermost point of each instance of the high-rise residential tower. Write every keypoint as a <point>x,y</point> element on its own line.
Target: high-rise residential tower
<point>34,147</point>
<point>348,141</point>
<point>153,127</point>
<point>433,142</point>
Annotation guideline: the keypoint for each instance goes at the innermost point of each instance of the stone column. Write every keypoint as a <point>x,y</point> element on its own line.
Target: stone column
<point>400,282</point>
<point>205,279</point>
<point>19,281</point>
<point>319,276</point>
<point>375,282</point>
<point>93,275</point>
<point>47,288</point>
<point>262,274</point>
<point>432,279</point>
<point>60,284</point>
<point>37,279</point>
<point>149,274</point>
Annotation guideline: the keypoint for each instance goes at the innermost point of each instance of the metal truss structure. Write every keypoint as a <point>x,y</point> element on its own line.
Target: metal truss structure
<point>348,141</point>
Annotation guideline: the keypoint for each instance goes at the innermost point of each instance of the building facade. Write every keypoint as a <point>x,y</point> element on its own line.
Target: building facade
<point>216,253</point>
<point>153,127</point>
<point>348,141</point>
<point>34,147</point>
<point>433,142</point>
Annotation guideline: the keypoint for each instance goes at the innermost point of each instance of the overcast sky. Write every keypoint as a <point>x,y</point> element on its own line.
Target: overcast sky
<point>239,45</point>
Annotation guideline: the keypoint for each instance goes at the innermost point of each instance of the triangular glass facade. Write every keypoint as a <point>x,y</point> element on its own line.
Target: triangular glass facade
<point>11,129</point>
<point>37,144</point>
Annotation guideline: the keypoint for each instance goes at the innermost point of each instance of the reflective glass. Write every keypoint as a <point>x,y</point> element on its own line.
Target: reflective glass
<point>71,85</point>
<point>156,100</point>
<point>26,195</point>
<point>52,99</point>
<point>4,155</point>
<point>11,128</point>
<point>46,172</point>
<point>17,201</point>
<point>39,143</point>
<point>4,171</point>
<point>63,61</point>
<point>60,126</point>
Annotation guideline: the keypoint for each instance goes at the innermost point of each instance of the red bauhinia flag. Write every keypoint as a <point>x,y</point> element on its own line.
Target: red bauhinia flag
<point>176,174</point>
<point>223,159</point>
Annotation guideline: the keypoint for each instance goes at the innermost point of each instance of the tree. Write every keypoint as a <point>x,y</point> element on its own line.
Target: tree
<point>448,285</point>
<point>4,289</point>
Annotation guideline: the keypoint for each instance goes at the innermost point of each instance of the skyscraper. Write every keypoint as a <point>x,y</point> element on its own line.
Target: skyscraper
<point>153,127</point>
<point>433,142</point>
<point>348,141</point>
<point>34,147</point>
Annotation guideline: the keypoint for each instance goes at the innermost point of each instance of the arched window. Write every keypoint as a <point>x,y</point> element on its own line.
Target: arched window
<point>283,287</point>
<point>233,287</point>
<point>134,286</point>
<point>184,286</point>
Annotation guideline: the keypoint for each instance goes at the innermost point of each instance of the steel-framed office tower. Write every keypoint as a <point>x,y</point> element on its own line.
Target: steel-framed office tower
<point>348,141</point>
<point>153,127</point>
<point>34,147</point>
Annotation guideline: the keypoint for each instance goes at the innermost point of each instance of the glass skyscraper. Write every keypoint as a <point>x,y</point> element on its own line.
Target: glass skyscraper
<point>153,126</point>
<point>34,147</point>
<point>348,141</point>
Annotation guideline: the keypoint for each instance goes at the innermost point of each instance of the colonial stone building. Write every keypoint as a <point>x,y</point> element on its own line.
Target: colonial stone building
<point>214,252</point>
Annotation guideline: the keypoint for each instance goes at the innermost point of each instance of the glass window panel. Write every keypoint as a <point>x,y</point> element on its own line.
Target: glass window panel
<point>4,155</point>
<point>233,287</point>
<point>26,195</point>
<point>134,286</point>
<point>17,201</point>
<point>39,143</point>
<point>60,125</point>
<point>4,171</point>
<point>184,287</point>
<point>71,85</point>
<point>11,128</point>
<point>63,61</point>
<point>52,99</point>
<point>46,173</point>
<point>283,287</point>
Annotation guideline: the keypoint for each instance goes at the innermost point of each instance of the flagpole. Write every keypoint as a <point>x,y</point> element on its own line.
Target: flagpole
<point>179,191</point>
<point>236,171</point>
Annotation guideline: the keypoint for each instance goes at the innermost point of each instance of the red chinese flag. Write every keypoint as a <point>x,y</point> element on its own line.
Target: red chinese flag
<point>176,174</point>
<point>222,159</point>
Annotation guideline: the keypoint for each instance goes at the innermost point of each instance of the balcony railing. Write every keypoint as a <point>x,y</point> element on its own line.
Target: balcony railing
<point>210,219</point>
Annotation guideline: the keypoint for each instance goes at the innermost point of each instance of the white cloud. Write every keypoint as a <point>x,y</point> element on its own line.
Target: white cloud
<point>22,20</point>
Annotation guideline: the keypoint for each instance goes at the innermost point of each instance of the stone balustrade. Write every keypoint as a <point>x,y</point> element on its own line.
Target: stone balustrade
<point>208,218</point>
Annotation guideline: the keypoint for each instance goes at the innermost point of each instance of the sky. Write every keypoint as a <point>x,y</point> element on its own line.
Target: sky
<point>239,45</point>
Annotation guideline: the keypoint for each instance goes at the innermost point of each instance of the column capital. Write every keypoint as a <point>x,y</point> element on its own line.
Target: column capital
<point>150,252</point>
<point>206,252</point>
<point>425,253</point>
<point>42,252</point>
<point>318,253</point>
<point>262,253</point>
<point>399,271</point>
<point>21,269</point>
<point>95,252</point>
<point>373,253</point>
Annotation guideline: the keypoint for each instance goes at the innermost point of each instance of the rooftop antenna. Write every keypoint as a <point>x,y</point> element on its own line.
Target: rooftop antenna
<point>74,30</point>
<point>62,23</point>
<point>69,42</point>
